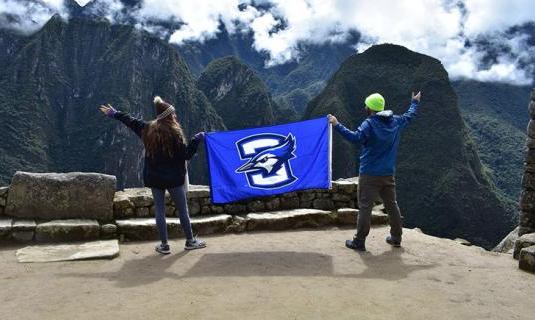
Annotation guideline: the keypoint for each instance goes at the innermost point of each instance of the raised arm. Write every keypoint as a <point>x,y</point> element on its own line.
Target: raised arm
<point>411,113</point>
<point>360,135</point>
<point>133,123</point>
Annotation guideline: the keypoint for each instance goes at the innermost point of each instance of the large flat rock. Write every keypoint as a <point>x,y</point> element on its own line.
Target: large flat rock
<point>23,230</point>
<point>346,186</point>
<point>198,191</point>
<point>348,216</point>
<point>508,242</point>
<point>288,219</point>
<point>108,249</point>
<point>211,224</point>
<point>524,241</point>
<point>50,196</point>
<point>67,230</point>
<point>526,259</point>
<point>3,191</point>
<point>6,225</point>
<point>145,228</point>
<point>140,197</point>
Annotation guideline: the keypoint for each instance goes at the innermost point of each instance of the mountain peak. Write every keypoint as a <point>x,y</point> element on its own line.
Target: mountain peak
<point>55,21</point>
<point>395,71</point>
<point>72,7</point>
<point>237,93</point>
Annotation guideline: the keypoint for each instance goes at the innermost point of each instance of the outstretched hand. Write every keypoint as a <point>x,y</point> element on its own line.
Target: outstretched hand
<point>108,110</point>
<point>417,96</point>
<point>200,136</point>
<point>332,119</point>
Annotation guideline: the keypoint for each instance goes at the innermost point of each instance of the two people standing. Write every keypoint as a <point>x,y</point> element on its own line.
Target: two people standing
<point>166,153</point>
<point>379,137</point>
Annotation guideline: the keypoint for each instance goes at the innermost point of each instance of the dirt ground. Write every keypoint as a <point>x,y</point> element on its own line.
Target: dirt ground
<point>284,275</point>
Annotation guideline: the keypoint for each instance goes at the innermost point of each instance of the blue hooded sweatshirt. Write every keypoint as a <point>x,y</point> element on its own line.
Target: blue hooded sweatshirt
<point>379,137</point>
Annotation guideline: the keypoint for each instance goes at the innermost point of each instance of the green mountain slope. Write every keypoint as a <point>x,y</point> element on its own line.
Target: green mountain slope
<point>497,117</point>
<point>237,94</point>
<point>441,184</point>
<point>292,84</point>
<point>50,91</point>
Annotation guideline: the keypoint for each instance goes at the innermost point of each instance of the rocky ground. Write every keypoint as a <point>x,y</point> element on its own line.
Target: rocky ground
<point>283,275</point>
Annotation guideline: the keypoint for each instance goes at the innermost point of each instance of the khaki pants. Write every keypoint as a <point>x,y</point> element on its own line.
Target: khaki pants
<point>371,188</point>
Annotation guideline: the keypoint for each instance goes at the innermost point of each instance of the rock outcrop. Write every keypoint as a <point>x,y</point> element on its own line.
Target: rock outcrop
<point>508,243</point>
<point>524,249</point>
<point>238,95</point>
<point>527,198</point>
<point>69,252</point>
<point>61,196</point>
<point>527,259</point>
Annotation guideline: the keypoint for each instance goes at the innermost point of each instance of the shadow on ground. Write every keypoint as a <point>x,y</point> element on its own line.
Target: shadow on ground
<point>269,264</point>
<point>388,265</point>
<point>138,272</point>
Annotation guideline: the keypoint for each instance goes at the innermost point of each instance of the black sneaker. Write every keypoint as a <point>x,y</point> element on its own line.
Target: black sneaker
<point>194,244</point>
<point>356,244</point>
<point>163,248</point>
<point>393,241</point>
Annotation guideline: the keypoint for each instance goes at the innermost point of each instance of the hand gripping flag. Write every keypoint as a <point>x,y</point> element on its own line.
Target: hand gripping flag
<point>271,160</point>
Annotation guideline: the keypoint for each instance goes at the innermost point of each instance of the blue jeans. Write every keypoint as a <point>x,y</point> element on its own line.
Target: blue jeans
<point>178,195</point>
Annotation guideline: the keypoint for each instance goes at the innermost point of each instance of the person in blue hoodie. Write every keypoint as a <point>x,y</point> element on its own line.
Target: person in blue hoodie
<point>379,137</point>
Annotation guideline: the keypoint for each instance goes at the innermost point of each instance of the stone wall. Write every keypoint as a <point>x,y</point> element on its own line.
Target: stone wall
<point>527,199</point>
<point>524,248</point>
<point>47,196</point>
<point>138,202</point>
<point>3,199</point>
<point>58,208</point>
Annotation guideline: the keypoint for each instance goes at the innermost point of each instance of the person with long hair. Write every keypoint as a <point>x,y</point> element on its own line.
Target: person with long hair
<point>166,153</point>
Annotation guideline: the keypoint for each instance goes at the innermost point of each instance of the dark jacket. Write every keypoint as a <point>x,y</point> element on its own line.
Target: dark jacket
<point>379,136</point>
<point>161,171</point>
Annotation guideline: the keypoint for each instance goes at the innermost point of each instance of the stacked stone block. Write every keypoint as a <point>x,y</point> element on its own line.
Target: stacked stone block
<point>3,199</point>
<point>525,245</point>
<point>527,200</point>
<point>69,207</point>
<point>138,202</point>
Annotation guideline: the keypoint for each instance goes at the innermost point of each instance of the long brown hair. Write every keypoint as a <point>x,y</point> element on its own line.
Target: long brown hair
<point>162,135</point>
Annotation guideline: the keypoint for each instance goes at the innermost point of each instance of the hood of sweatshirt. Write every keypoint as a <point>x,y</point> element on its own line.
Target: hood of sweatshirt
<point>383,122</point>
<point>385,114</point>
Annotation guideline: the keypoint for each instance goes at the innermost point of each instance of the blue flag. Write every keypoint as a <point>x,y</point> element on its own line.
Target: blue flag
<point>271,160</point>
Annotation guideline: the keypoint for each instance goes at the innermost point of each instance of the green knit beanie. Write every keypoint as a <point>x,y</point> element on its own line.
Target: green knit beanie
<point>375,102</point>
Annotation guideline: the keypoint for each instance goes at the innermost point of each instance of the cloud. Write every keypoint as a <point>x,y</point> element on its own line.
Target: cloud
<point>472,38</point>
<point>27,16</point>
<point>83,2</point>
<point>199,20</point>
<point>113,10</point>
<point>435,27</point>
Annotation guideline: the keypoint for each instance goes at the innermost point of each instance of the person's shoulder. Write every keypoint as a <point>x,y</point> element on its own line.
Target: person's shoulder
<point>366,123</point>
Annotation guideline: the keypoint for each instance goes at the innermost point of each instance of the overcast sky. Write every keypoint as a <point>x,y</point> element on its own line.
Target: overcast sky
<point>440,28</point>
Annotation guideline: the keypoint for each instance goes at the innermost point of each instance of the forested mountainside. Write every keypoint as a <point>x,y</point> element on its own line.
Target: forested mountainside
<point>292,84</point>
<point>497,117</point>
<point>55,79</point>
<point>239,96</point>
